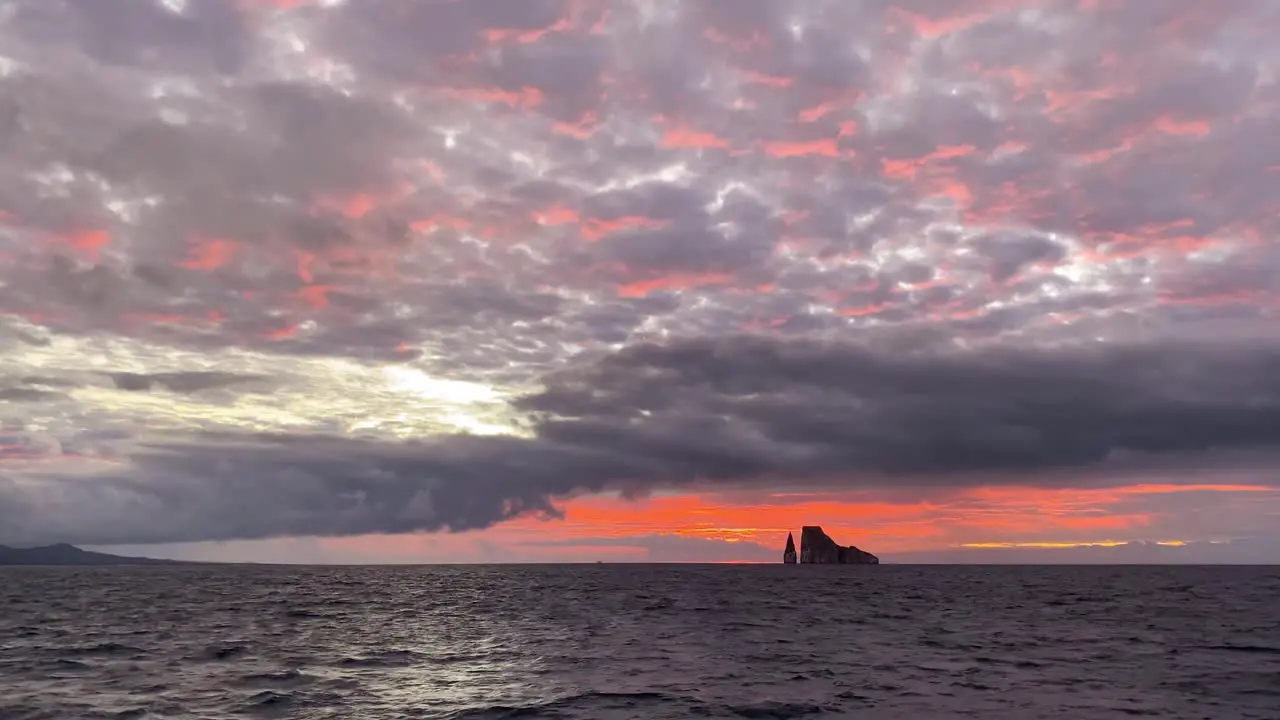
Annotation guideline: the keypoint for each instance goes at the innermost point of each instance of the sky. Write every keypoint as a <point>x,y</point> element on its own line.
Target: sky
<point>577,280</point>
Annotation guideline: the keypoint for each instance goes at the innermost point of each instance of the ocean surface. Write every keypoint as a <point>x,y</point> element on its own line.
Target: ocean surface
<point>640,641</point>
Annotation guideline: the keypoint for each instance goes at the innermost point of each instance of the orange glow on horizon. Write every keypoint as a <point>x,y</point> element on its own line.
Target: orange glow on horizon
<point>750,526</point>
<point>970,517</point>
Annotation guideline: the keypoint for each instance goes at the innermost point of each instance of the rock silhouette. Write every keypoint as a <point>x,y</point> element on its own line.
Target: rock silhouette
<point>817,548</point>
<point>789,553</point>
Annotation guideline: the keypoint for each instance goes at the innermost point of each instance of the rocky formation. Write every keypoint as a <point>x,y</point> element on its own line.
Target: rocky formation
<point>789,553</point>
<point>817,548</point>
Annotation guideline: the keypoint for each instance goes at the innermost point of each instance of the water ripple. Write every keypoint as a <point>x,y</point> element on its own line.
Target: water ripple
<point>615,641</point>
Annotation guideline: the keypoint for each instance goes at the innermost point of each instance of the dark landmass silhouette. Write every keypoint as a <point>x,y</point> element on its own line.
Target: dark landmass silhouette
<point>817,548</point>
<point>63,554</point>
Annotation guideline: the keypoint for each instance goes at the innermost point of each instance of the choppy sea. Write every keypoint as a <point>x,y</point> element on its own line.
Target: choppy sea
<point>640,641</point>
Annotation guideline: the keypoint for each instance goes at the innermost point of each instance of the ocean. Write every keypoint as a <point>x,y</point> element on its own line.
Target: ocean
<point>640,641</point>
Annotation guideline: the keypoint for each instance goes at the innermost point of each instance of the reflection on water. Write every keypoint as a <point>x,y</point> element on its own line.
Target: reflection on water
<point>632,641</point>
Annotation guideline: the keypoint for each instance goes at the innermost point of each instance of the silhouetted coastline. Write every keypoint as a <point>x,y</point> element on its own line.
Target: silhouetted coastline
<point>64,554</point>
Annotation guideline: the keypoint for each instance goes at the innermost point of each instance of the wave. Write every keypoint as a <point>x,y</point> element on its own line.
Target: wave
<point>591,703</point>
<point>106,648</point>
<point>390,658</point>
<point>225,651</point>
<point>1256,649</point>
<point>277,677</point>
<point>268,700</point>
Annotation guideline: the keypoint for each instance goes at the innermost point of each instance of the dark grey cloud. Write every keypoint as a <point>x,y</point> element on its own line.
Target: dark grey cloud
<point>208,36</point>
<point>706,411</point>
<point>28,394</point>
<point>184,382</point>
<point>1006,255</point>
<point>841,408</point>
<point>34,388</point>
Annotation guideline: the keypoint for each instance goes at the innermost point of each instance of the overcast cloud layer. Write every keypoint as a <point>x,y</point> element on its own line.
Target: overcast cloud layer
<point>325,268</point>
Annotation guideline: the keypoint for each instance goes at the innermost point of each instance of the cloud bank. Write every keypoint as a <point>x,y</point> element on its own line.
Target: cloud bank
<point>727,410</point>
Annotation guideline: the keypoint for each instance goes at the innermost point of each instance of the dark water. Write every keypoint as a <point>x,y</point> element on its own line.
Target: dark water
<point>620,641</point>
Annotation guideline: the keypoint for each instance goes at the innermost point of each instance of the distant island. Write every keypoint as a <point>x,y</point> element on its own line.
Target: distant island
<point>63,554</point>
<point>817,548</point>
